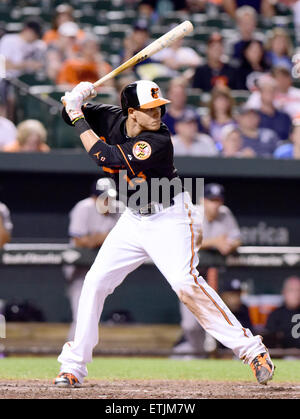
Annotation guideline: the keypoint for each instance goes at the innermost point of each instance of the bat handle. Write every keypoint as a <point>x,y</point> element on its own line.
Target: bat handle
<point>103,80</point>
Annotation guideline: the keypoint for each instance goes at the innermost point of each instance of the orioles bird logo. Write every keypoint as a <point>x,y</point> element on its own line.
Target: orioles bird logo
<point>141,150</point>
<point>154,92</point>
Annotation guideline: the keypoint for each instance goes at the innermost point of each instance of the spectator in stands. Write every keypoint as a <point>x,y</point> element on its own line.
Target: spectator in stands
<point>262,141</point>
<point>246,20</point>
<point>215,72</point>
<point>8,130</point>
<point>90,223</point>
<point>178,97</point>
<point>253,63</point>
<point>188,141</point>
<point>146,10</point>
<point>270,117</point>
<point>222,233</point>
<point>209,7</point>
<point>6,225</point>
<point>263,7</point>
<point>178,56</point>
<point>232,143</point>
<point>291,150</point>
<point>138,39</point>
<point>63,13</point>
<point>278,331</point>
<point>24,52</point>
<point>231,295</point>
<point>287,97</point>
<point>220,228</point>
<point>279,49</point>
<point>220,113</point>
<point>65,47</point>
<point>31,137</point>
<point>87,65</point>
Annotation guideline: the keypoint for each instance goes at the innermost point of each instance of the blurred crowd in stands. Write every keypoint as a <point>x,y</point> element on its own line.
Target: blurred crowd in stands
<point>260,66</point>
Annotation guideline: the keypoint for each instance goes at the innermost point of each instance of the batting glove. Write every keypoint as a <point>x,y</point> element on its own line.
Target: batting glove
<point>73,103</point>
<point>85,89</point>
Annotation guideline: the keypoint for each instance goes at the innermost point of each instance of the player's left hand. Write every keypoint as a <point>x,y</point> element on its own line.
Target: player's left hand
<point>73,103</point>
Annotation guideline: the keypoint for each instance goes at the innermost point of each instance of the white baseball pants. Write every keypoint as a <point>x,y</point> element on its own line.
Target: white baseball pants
<point>168,238</point>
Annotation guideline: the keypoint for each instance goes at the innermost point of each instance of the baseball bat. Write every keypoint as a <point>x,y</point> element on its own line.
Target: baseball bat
<point>164,41</point>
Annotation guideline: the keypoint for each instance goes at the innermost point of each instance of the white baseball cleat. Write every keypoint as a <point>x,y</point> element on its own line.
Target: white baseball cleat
<point>66,380</point>
<point>263,368</point>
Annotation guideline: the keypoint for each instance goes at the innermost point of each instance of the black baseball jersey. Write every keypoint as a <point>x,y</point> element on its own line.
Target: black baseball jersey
<point>132,159</point>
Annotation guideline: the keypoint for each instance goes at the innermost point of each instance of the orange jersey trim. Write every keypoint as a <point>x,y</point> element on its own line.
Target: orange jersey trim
<point>123,154</point>
<point>109,170</point>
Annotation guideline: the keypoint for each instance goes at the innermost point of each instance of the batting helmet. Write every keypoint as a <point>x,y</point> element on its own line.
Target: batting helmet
<point>143,94</point>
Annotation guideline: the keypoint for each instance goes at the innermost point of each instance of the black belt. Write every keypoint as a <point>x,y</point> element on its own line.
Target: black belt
<point>153,208</point>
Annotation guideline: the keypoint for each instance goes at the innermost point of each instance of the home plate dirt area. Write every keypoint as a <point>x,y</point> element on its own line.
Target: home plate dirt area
<point>148,389</point>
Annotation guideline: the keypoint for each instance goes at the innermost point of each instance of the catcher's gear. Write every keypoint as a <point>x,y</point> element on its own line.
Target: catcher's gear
<point>143,94</point>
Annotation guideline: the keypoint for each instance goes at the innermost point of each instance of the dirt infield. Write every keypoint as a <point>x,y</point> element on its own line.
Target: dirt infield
<point>155,389</point>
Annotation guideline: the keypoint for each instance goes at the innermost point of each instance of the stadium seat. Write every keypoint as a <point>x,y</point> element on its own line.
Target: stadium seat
<point>111,46</point>
<point>115,17</point>
<point>201,35</point>
<point>227,21</point>
<point>101,31</point>
<point>119,31</point>
<point>158,30</point>
<point>163,82</point>
<point>109,97</point>
<point>13,27</point>
<point>31,12</point>
<point>104,4</point>
<point>64,135</point>
<point>33,79</point>
<point>240,96</point>
<point>173,17</point>
<point>4,15</point>
<point>216,23</point>
<point>198,19</point>
<point>129,17</point>
<point>194,96</point>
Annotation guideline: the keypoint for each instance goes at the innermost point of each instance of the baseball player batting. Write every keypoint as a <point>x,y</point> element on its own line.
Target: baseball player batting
<point>133,138</point>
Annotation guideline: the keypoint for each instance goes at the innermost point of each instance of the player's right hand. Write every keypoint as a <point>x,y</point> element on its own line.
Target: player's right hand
<point>85,89</point>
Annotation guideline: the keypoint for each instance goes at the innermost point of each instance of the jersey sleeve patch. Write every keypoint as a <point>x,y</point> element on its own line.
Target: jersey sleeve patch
<point>141,150</point>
